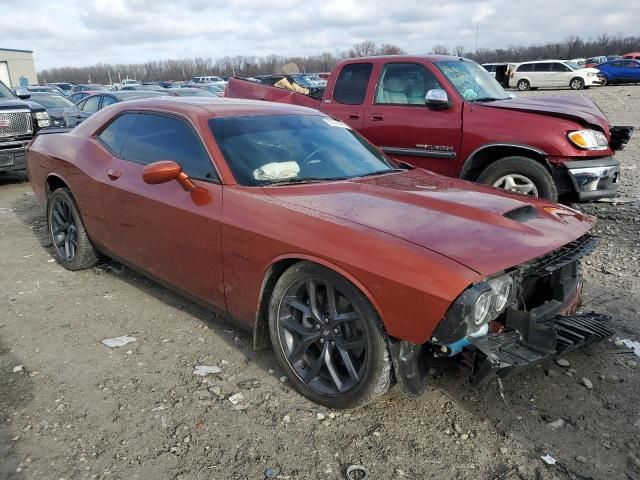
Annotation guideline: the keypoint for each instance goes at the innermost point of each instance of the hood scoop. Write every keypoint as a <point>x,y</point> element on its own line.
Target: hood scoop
<point>522,214</point>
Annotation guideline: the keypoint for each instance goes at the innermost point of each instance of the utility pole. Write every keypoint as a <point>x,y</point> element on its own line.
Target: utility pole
<point>477,29</point>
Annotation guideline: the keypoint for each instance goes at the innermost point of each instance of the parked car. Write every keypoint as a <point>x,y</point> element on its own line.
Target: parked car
<point>143,87</point>
<point>20,119</point>
<point>94,87</point>
<point>632,56</point>
<point>495,286</point>
<point>620,71</point>
<point>190,92</point>
<point>448,115</point>
<point>55,105</point>
<point>43,89</point>
<point>207,79</point>
<point>593,61</point>
<point>553,74</point>
<point>65,87</point>
<point>77,96</point>
<point>90,105</point>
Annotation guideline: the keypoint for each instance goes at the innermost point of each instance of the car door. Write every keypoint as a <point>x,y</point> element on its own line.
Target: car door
<point>561,75</point>
<point>87,108</point>
<point>404,127</point>
<point>163,229</point>
<point>349,94</point>
<point>541,75</point>
<point>632,70</point>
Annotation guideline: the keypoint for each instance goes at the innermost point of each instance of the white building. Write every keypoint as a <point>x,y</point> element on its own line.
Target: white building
<point>17,68</point>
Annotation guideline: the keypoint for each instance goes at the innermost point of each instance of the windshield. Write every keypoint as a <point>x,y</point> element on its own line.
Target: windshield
<point>51,101</point>
<point>263,149</point>
<point>472,81</point>
<point>5,92</point>
<point>573,65</point>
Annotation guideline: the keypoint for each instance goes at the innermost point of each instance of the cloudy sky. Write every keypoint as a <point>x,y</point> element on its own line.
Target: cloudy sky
<point>85,32</point>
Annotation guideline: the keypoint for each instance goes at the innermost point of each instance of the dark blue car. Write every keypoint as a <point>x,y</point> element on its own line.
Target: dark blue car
<point>620,71</point>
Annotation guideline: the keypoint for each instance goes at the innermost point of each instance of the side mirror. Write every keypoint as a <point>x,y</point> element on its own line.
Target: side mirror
<point>22,93</point>
<point>166,170</point>
<point>437,98</point>
<point>161,172</point>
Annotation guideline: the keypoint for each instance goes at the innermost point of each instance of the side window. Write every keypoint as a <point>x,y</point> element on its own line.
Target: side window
<point>91,105</point>
<point>80,105</point>
<point>633,65</point>
<point>114,135</point>
<point>542,67</point>
<point>559,67</point>
<point>404,84</point>
<point>159,137</point>
<point>527,67</point>
<point>108,100</point>
<point>351,86</point>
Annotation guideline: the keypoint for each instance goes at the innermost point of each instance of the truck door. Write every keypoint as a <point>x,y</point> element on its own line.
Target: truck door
<point>349,93</point>
<point>399,122</point>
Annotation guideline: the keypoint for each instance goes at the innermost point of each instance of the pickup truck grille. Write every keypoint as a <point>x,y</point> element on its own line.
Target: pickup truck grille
<point>15,124</point>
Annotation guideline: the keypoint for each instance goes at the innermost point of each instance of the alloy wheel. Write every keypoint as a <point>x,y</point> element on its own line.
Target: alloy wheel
<point>322,336</point>
<point>517,183</point>
<point>63,230</point>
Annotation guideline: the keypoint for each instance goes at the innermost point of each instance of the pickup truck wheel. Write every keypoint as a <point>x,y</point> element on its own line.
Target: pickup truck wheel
<point>71,245</point>
<point>328,337</point>
<point>576,83</point>
<point>521,175</point>
<point>524,85</point>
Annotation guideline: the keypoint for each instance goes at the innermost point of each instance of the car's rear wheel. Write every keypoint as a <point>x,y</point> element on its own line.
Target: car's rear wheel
<point>523,85</point>
<point>71,244</point>
<point>521,175</point>
<point>576,83</point>
<point>328,337</point>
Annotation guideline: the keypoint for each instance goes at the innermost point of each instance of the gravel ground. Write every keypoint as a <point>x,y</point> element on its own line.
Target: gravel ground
<point>72,408</point>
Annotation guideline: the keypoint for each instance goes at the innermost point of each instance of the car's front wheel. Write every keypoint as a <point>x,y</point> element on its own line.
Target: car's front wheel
<point>328,337</point>
<point>521,175</point>
<point>71,244</point>
<point>524,85</point>
<point>577,83</point>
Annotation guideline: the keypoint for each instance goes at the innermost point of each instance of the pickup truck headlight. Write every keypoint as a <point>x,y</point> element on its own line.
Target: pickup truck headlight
<point>588,139</point>
<point>477,305</point>
<point>43,119</point>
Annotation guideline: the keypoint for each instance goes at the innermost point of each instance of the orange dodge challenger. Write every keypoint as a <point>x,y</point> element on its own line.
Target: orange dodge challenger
<point>358,270</point>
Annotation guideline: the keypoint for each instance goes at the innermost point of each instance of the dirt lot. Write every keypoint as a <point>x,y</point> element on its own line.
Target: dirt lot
<point>72,408</point>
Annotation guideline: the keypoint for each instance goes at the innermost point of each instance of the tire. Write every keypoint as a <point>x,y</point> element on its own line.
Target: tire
<point>72,247</point>
<point>523,85</point>
<point>303,337</point>
<point>605,80</point>
<point>576,83</point>
<point>515,167</point>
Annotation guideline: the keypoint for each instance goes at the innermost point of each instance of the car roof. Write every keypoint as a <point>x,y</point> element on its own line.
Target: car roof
<point>218,107</point>
<point>545,61</point>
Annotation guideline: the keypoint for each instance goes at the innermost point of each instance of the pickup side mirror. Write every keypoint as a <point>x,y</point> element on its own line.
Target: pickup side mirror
<point>22,93</point>
<point>437,98</point>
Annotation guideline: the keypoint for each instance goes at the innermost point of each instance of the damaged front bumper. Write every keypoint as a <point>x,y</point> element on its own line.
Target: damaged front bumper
<point>498,355</point>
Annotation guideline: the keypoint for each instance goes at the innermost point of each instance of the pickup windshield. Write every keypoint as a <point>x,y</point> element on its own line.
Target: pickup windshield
<point>280,149</point>
<point>472,81</point>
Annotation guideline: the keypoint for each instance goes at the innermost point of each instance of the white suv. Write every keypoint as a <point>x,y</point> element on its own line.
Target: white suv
<point>553,73</point>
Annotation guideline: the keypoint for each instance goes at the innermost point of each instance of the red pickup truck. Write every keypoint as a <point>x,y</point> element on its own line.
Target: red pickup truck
<point>448,115</point>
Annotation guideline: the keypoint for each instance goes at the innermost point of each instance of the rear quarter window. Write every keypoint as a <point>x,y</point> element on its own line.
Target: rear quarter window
<point>527,67</point>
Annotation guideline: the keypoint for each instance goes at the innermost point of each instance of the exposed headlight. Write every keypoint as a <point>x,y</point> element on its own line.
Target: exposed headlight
<point>481,308</point>
<point>477,305</point>
<point>588,139</point>
<point>591,74</point>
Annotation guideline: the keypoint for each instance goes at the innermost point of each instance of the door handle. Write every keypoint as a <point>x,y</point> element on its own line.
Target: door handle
<point>113,174</point>
<point>354,116</point>
<point>376,117</point>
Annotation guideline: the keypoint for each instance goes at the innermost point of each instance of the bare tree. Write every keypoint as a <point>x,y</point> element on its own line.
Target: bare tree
<point>458,50</point>
<point>363,49</point>
<point>388,49</point>
<point>440,50</point>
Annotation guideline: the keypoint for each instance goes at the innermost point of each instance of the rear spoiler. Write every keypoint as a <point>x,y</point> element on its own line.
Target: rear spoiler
<point>50,130</point>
